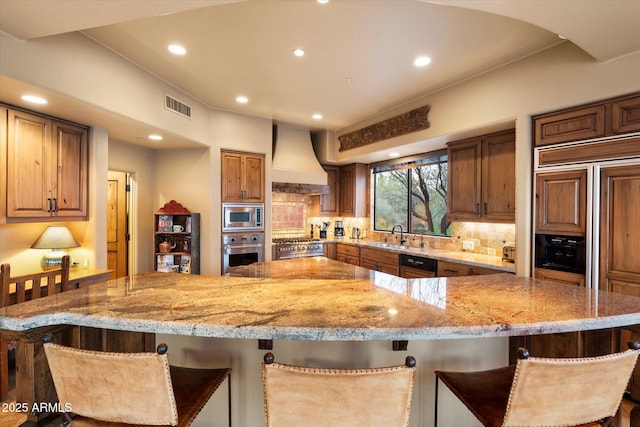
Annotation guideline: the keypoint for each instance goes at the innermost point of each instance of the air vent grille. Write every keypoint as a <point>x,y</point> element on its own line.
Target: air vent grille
<point>177,106</point>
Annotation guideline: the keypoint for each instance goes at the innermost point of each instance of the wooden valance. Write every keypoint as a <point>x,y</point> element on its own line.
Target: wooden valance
<point>411,121</point>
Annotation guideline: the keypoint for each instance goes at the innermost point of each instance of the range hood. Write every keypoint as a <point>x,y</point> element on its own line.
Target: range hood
<point>295,168</point>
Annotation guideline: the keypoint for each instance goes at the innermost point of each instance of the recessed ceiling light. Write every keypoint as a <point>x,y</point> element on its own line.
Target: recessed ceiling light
<point>317,116</point>
<point>421,61</point>
<point>394,154</point>
<point>323,1</point>
<point>242,99</point>
<point>155,137</point>
<point>34,99</point>
<point>560,36</point>
<point>298,52</point>
<point>177,49</point>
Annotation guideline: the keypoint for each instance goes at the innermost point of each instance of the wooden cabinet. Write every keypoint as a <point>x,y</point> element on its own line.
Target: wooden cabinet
<point>597,120</point>
<point>3,163</point>
<point>560,276</point>
<point>47,168</point>
<point>242,177</point>
<point>453,269</point>
<point>561,202</point>
<point>415,273</point>
<point>353,190</point>
<point>330,203</point>
<point>177,240</point>
<point>620,230</point>
<point>329,250</point>
<point>348,254</point>
<point>379,260</point>
<point>481,178</point>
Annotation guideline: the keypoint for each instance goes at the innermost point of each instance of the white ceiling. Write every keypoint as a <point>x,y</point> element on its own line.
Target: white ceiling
<point>360,53</point>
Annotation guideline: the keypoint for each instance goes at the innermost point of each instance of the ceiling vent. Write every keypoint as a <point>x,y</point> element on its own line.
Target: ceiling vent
<point>177,106</point>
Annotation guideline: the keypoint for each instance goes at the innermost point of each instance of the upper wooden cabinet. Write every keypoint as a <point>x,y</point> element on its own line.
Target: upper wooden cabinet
<point>561,202</point>
<point>242,177</point>
<point>602,119</point>
<point>330,203</point>
<point>481,178</point>
<point>47,168</point>
<point>353,190</point>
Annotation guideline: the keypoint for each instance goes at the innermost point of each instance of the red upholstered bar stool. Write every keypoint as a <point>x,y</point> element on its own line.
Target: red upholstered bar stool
<point>103,389</point>
<point>319,397</point>
<point>580,392</point>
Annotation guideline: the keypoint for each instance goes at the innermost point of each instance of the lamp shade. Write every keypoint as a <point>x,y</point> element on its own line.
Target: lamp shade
<point>55,237</point>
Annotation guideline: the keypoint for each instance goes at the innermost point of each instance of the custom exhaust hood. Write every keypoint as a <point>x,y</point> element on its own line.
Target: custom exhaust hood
<point>295,168</point>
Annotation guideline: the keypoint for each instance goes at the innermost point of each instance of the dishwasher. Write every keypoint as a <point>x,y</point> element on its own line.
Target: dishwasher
<point>412,266</point>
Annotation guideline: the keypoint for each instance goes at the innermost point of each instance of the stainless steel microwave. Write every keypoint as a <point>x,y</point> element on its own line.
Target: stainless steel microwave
<point>242,216</point>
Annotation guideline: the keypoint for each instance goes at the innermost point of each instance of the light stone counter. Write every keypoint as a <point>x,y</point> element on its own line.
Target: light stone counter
<point>324,300</point>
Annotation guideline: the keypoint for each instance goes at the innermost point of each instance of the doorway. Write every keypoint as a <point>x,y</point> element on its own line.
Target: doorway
<point>118,223</point>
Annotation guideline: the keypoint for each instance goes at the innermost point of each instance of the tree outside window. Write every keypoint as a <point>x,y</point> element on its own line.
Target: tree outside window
<point>412,194</point>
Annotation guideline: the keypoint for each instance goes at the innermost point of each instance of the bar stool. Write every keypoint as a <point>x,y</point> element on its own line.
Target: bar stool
<point>536,391</point>
<point>298,396</point>
<point>17,289</point>
<point>127,389</point>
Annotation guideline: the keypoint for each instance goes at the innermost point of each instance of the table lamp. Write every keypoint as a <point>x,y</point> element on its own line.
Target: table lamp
<point>56,238</point>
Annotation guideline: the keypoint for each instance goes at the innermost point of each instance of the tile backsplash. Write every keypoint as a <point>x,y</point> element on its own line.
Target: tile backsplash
<point>292,217</point>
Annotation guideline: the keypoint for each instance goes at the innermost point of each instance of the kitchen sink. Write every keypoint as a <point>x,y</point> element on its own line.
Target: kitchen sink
<point>387,245</point>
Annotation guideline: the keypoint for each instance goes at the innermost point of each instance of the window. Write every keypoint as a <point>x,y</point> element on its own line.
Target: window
<point>412,193</point>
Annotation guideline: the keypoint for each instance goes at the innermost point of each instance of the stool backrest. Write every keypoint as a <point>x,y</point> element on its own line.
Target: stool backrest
<point>295,396</point>
<point>17,289</point>
<point>562,392</point>
<point>132,388</point>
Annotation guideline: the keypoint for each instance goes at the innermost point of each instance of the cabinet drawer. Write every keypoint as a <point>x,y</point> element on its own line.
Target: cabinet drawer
<point>348,259</point>
<point>378,266</point>
<point>348,250</point>
<point>451,269</point>
<point>560,276</point>
<point>477,271</point>
<point>415,273</point>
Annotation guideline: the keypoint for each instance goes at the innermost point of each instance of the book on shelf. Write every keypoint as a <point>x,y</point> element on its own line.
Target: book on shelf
<point>165,263</point>
<point>185,264</point>
<point>165,223</point>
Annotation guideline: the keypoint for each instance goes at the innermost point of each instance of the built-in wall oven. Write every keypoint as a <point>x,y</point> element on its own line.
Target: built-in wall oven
<point>241,249</point>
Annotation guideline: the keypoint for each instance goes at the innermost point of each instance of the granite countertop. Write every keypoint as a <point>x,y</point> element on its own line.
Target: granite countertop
<point>321,299</point>
<point>470,258</point>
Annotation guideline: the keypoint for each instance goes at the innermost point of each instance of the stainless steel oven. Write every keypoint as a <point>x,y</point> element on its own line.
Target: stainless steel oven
<point>242,217</point>
<point>241,249</point>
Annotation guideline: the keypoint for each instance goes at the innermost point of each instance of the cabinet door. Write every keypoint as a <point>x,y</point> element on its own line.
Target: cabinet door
<point>620,231</point>
<point>254,178</point>
<point>330,203</point>
<point>498,177</point>
<point>29,162</point>
<point>3,164</point>
<point>561,202</point>
<point>70,192</point>
<point>463,191</point>
<point>232,171</point>
<point>353,190</point>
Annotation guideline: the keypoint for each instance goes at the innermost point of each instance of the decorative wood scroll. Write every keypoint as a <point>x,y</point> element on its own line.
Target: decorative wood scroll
<point>174,208</point>
<point>402,124</point>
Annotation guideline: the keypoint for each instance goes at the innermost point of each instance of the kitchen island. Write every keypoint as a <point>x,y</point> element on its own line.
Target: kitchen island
<point>326,313</point>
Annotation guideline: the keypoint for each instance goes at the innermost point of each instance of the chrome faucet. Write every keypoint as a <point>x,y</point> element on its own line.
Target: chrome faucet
<point>402,239</point>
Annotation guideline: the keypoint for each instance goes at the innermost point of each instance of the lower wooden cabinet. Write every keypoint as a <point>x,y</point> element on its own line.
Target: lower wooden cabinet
<point>379,260</point>
<point>415,273</point>
<point>348,254</point>
<point>560,276</point>
<point>329,250</point>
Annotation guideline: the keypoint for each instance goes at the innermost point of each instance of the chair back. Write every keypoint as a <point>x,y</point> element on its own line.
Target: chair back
<point>564,392</point>
<point>18,289</point>
<point>132,388</point>
<point>296,396</point>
